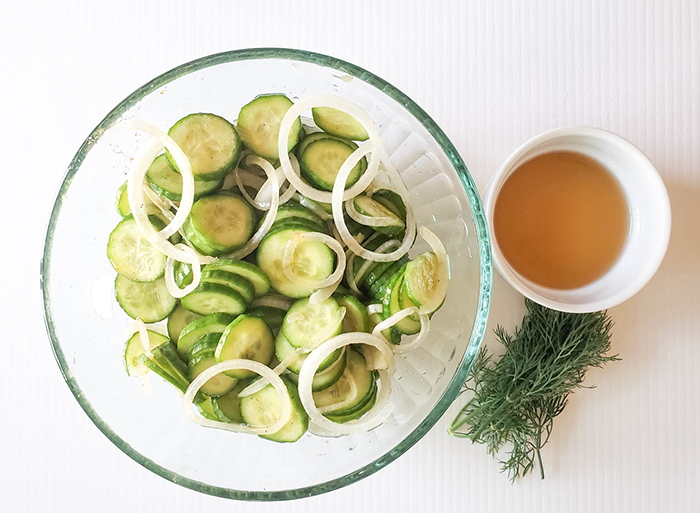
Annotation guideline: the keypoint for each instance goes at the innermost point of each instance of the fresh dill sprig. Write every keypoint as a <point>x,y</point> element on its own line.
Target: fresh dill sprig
<point>516,399</point>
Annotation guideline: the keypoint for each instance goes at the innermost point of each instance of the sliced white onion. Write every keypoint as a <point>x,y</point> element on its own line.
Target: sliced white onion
<point>250,365</point>
<point>375,308</point>
<point>261,383</point>
<point>381,409</point>
<point>184,166</point>
<point>143,338</point>
<point>255,240</point>
<point>442,266</point>
<point>350,272</point>
<point>354,110</point>
<point>238,174</point>
<point>367,220</point>
<point>398,316</point>
<point>274,301</point>
<point>170,284</point>
<point>333,244</point>
<point>313,206</point>
<point>345,402</point>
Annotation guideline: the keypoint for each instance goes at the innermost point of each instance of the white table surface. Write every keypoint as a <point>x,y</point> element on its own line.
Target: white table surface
<point>492,74</point>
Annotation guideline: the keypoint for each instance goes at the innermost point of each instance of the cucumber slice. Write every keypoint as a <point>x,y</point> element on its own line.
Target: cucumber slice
<point>321,135</point>
<point>307,326</point>
<point>356,315</point>
<point>339,123</point>
<point>206,409</point>
<point>272,316</point>
<point>378,288</point>
<point>165,355</point>
<point>405,300</point>
<point>235,281</point>
<point>312,260</point>
<point>259,125</point>
<point>369,207</point>
<point>392,201</point>
<point>322,159</point>
<point>421,278</point>
<point>224,222</point>
<point>264,408</point>
<point>340,419</point>
<point>150,302</point>
<point>392,305</point>
<point>248,338</point>
<point>392,335</point>
<point>300,224</point>
<point>205,344</point>
<point>133,349</point>
<point>215,323</point>
<point>250,272</point>
<point>227,408</point>
<point>157,369</point>
<point>341,391</point>
<point>167,182</point>
<point>132,255</point>
<point>122,201</point>
<point>283,350</point>
<point>177,321</point>
<point>309,203</point>
<point>293,210</point>
<point>211,144</point>
<point>209,298</point>
<point>326,378</point>
<point>217,385</point>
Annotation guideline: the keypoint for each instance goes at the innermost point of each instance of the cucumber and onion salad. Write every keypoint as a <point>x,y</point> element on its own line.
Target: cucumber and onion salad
<point>279,261</point>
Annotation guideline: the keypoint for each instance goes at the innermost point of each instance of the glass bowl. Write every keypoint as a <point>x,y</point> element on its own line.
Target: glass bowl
<point>88,340</point>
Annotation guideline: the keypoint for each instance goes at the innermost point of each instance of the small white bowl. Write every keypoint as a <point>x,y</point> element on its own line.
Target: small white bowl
<point>649,222</point>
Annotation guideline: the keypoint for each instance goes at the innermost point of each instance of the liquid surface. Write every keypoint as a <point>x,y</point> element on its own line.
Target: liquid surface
<point>561,220</point>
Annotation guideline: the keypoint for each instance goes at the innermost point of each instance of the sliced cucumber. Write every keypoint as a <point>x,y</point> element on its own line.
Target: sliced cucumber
<point>342,418</point>
<point>356,315</point>
<point>259,125</point>
<point>209,298</point>
<point>308,203</point>
<point>326,378</point>
<point>216,386</point>
<point>167,182</point>
<point>322,159</point>
<point>204,344</point>
<point>391,334</point>
<point>304,225</point>
<point>312,260</point>
<point>392,201</point>
<point>370,207</point>
<point>341,391</point>
<point>272,316</point>
<point>248,338</point>
<point>283,350</point>
<point>405,300</point>
<point>215,323</point>
<point>157,369</point>
<point>210,142</point>
<point>392,305</point>
<point>339,123</point>
<point>177,321</point>
<point>293,210</point>
<point>132,255</point>
<point>378,288</point>
<point>227,407</point>
<point>422,278</point>
<point>263,408</point>
<point>150,302</point>
<point>250,272</point>
<point>165,355</point>
<point>122,201</point>
<point>235,281</point>
<point>206,409</point>
<point>308,325</point>
<point>183,274</point>
<point>224,222</point>
<point>133,349</point>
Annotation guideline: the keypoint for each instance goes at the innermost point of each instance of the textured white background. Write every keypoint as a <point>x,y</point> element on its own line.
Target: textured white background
<point>492,74</point>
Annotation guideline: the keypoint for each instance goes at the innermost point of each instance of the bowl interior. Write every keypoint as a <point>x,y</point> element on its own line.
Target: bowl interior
<point>88,329</point>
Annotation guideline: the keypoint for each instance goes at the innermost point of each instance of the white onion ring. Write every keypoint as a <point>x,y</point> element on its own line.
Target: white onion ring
<point>398,316</point>
<point>313,206</point>
<point>261,383</point>
<point>375,308</point>
<point>381,409</point>
<point>255,240</point>
<point>170,284</point>
<point>354,110</point>
<point>442,269</point>
<point>249,365</point>
<point>333,244</point>
<point>367,220</point>
<point>274,301</point>
<point>238,173</point>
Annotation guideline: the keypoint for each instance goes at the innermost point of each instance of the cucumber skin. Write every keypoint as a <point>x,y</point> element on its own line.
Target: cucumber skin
<point>296,406</point>
<point>189,301</point>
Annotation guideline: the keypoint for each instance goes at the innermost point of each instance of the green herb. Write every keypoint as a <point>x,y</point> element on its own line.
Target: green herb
<point>517,398</point>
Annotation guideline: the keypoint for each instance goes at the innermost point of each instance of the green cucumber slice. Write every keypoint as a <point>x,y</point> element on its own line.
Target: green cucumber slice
<point>322,159</point>
<point>157,369</point>
<point>312,260</point>
<point>250,272</point>
<point>391,334</point>
<point>356,315</point>
<point>235,281</point>
<point>264,408</point>
<point>133,349</point>
<point>421,279</point>
<point>272,316</point>
<point>227,407</point>
<point>122,201</point>
<point>326,378</point>
<point>283,350</point>
<point>342,418</point>
<point>259,125</point>
<point>132,255</point>
<point>205,344</point>
<point>248,338</point>
<point>369,207</point>
<point>341,391</point>
<point>224,222</point>
<point>165,355</point>
<point>167,182</point>
<point>339,123</point>
<point>307,326</point>
<point>216,386</point>
<point>300,224</point>
<point>292,209</point>
<point>206,409</point>
<point>392,305</point>
<point>150,302</point>
<point>378,288</point>
<point>211,144</point>
<point>177,321</point>
<point>392,201</point>
<point>209,298</point>
<point>215,323</point>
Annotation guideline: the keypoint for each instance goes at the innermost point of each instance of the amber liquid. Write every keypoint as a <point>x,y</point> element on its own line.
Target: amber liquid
<point>561,220</point>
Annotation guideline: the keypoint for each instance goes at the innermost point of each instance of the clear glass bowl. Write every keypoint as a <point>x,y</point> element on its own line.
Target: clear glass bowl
<point>151,428</point>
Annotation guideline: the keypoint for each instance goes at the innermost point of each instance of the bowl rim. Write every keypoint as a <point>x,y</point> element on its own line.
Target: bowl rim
<point>485,279</point>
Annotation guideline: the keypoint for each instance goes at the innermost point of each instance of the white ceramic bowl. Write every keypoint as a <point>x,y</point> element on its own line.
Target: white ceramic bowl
<point>649,227</point>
